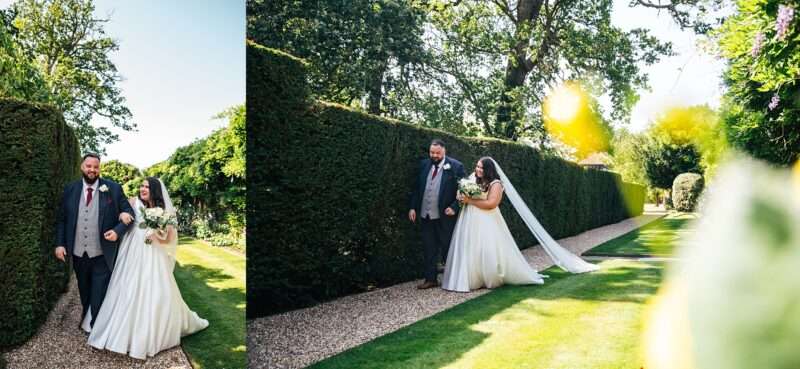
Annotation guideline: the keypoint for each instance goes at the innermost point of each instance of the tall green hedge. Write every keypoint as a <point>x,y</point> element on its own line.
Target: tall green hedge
<point>40,155</point>
<point>327,202</point>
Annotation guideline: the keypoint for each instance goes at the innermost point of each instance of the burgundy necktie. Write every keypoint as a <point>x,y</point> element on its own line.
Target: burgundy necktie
<point>89,195</point>
<point>435,170</point>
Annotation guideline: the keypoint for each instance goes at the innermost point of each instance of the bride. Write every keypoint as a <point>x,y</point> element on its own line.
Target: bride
<point>143,312</point>
<point>482,251</point>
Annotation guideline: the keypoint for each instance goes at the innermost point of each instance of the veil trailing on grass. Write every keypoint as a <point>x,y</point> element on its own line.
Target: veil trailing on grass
<point>560,256</point>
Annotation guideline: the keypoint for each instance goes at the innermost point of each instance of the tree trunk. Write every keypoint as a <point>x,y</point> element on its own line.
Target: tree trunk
<point>375,90</point>
<point>517,68</point>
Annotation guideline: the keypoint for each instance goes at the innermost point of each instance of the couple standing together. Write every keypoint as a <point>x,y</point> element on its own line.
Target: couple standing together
<point>131,302</point>
<point>471,231</point>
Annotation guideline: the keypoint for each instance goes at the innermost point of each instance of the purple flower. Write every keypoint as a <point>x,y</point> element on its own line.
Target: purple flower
<point>758,43</point>
<point>785,15</point>
<point>773,103</point>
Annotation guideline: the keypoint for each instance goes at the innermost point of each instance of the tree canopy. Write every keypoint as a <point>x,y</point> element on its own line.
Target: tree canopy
<point>469,67</point>
<point>69,48</point>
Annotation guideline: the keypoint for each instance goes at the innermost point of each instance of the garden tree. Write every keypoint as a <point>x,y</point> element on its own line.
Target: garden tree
<point>761,107</point>
<point>207,181</point>
<point>71,50</point>
<point>663,161</point>
<point>19,78</point>
<point>628,157</point>
<point>351,44</point>
<point>231,147</point>
<point>500,58</point>
<point>127,175</point>
<point>697,125</point>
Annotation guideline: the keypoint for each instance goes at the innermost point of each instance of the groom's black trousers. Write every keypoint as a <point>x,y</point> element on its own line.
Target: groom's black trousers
<point>93,276</point>
<point>436,235</point>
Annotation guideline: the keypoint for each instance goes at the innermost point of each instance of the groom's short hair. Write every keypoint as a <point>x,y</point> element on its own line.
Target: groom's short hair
<point>437,142</point>
<point>90,155</point>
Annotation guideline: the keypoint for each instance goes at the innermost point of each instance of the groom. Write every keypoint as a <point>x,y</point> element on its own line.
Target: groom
<point>433,200</point>
<point>89,230</point>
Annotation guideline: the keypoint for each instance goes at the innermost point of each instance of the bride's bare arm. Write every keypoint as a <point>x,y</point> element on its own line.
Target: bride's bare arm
<point>165,238</point>
<point>492,200</point>
<point>172,234</point>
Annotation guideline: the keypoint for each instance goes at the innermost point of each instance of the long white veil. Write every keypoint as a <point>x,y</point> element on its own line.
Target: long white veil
<point>560,256</point>
<point>170,247</point>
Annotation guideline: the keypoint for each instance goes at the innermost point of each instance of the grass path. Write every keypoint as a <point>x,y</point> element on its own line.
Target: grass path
<point>656,239</point>
<point>589,320</point>
<point>573,321</point>
<point>212,282</point>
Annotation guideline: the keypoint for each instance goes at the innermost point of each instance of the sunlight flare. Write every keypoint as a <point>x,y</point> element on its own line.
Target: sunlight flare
<point>570,116</point>
<point>667,337</point>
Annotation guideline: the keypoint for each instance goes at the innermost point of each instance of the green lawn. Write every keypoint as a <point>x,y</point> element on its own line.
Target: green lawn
<point>655,239</point>
<point>212,282</point>
<point>572,321</point>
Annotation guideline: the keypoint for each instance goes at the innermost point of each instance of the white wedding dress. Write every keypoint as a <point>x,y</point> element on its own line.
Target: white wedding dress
<point>143,312</point>
<point>483,252</point>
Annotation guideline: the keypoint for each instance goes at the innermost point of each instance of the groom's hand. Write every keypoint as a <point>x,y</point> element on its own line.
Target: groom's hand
<point>412,215</point>
<point>110,235</point>
<point>449,212</point>
<point>61,253</point>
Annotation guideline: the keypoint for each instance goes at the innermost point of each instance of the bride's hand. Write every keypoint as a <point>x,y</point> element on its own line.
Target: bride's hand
<point>125,218</point>
<point>460,197</point>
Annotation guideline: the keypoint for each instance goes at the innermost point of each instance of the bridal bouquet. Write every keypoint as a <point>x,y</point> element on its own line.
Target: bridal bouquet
<point>157,220</point>
<point>469,187</point>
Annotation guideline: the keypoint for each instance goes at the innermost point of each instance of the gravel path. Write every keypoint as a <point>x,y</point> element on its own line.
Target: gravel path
<point>60,344</point>
<point>302,337</point>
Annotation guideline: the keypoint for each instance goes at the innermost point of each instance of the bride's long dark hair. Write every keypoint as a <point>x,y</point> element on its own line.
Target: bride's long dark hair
<point>489,173</point>
<point>156,197</point>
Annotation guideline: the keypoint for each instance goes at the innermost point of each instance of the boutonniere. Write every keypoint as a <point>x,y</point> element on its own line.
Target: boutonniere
<point>446,166</point>
<point>103,188</point>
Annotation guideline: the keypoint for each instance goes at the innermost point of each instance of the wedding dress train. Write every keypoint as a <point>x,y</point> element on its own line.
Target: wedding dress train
<point>484,254</point>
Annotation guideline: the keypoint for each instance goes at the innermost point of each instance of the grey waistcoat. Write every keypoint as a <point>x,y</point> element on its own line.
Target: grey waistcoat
<point>430,199</point>
<point>87,232</point>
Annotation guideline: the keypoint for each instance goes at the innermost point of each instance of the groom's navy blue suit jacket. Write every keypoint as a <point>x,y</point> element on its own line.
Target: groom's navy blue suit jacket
<point>447,190</point>
<point>111,204</point>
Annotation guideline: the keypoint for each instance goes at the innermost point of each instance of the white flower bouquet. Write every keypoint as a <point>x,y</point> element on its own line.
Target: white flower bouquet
<point>156,221</point>
<point>468,187</point>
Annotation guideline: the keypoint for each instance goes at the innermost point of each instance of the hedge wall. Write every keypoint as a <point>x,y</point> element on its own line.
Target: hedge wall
<point>327,206</point>
<point>40,155</point>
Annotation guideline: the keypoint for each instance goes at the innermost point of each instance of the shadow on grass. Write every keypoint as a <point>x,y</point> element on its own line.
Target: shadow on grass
<point>222,344</point>
<point>445,337</point>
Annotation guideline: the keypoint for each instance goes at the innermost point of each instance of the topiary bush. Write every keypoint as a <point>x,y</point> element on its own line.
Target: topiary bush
<point>40,155</point>
<point>329,186</point>
<point>686,191</point>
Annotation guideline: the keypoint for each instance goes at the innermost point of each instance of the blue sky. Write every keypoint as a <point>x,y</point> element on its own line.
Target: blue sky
<point>183,62</point>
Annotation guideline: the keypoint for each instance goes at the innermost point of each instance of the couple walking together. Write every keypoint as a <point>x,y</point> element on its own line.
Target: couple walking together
<point>470,230</point>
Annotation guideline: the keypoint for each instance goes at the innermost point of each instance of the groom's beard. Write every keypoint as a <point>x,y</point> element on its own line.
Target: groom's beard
<point>90,181</point>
